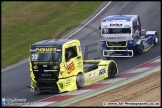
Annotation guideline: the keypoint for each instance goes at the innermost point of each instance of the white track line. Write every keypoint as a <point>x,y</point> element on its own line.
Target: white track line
<point>158,57</point>
<point>17,64</point>
<point>89,20</point>
<point>14,65</point>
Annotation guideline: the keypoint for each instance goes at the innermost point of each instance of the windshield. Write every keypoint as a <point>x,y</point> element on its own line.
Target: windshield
<point>115,30</point>
<point>46,57</point>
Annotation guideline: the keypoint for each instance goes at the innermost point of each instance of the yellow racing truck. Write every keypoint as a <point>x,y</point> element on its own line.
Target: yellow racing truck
<point>57,65</point>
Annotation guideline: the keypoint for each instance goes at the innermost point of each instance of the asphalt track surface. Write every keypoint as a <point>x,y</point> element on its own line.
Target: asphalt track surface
<point>15,79</point>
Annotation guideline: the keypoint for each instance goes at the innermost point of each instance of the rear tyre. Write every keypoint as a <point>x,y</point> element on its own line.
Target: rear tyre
<point>80,80</point>
<point>139,48</point>
<point>112,70</point>
<point>156,39</point>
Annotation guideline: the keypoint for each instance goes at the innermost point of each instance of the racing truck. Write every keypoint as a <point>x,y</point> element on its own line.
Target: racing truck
<point>122,36</point>
<point>57,65</point>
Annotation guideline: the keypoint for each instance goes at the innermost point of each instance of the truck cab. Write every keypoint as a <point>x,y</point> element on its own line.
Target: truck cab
<point>121,36</point>
<point>51,61</point>
<point>57,65</point>
<point>120,27</point>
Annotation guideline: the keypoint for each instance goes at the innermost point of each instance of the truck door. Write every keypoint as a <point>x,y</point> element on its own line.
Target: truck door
<point>79,57</point>
<point>135,29</point>
<point>71,60</point>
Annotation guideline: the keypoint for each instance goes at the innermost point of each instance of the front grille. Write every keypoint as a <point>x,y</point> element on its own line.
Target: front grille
<point>116,43</point>
<point>40,72</point>
<point>46,75</point>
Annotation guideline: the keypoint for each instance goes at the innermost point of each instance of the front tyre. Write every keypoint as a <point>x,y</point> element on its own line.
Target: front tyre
<point>80,80</point>
<point>112,70</point>
<point>139,48</point>
<point>156,39</point>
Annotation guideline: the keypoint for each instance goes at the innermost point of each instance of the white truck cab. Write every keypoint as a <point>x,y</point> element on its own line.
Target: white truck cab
<point>117,28</point>
<point>121,36</point>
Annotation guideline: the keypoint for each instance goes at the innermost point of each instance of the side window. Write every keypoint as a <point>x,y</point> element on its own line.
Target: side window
<point>70,52</point>
<point>134,26</point>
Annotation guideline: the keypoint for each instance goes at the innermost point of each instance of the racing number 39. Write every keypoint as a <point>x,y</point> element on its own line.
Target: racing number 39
<point>34,57</point>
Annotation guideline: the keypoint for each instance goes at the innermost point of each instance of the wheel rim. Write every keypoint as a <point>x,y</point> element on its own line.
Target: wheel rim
<point>141,48</point>
<point>80,79</point>
<point>156,39</point>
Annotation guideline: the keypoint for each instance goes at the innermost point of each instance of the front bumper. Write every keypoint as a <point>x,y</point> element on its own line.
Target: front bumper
<point>112,53</point>
<point>57,86</point>
<point>44,86</point>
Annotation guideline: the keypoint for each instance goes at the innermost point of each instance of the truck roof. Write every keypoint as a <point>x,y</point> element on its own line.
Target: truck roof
<point>118,17</point>
<point>51,42</point>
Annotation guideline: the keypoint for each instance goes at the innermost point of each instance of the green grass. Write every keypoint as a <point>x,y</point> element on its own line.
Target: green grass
<point>24,23</point>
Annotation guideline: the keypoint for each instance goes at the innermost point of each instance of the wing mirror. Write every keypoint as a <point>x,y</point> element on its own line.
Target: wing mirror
<point>99,27</point>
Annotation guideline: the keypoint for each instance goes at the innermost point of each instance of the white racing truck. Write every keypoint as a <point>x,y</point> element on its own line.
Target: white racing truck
<point>122,36</point>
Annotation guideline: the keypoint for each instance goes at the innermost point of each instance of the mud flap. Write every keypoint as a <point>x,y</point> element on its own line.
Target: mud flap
<point>33,85</point>
<point>28,86</point>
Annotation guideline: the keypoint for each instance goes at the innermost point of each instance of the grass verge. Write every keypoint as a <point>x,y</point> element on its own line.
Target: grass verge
<point>24,23</point>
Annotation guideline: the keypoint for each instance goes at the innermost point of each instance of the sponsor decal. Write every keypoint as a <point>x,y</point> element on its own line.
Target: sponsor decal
<point>67,82</point>
<point>114,38</point>
<point>54,63</point>
<point>55,67</point>
<point>42,50</point>
<point>70,67</point>
<point>46,75</point>
<point>102,71</point>
<point>105,26</point>
<point>118,20</point>
<point>44,65</point>
<point>126,26</point>
<point>93,75</point>
<point>118,25</point>
<point>35,67</point>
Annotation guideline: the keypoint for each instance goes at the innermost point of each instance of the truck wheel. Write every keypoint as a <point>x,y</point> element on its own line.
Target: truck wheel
<point>156,39</point>
<point>139,48</point>
<point>80,80</point>
<point>112,70</point>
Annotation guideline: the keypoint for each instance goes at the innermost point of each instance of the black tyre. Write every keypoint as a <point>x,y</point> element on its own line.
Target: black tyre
<point>156,39</point>
<point>80,80</point>
<point>112,70</point>
<point>139,48</point>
